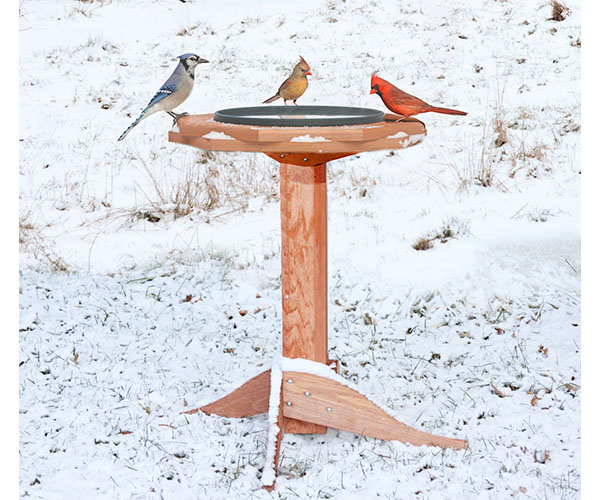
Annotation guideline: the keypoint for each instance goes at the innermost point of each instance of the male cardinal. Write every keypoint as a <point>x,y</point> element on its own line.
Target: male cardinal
<point>402,103</point>
<point>295,85</point>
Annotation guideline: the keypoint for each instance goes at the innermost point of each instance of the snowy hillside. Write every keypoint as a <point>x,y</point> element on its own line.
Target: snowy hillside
<point>150,271</point>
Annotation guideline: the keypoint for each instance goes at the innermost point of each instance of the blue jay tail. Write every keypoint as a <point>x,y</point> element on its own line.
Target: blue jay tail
<point>138,120</point>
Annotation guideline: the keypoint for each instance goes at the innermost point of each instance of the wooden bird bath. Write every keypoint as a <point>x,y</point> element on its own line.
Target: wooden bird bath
<point>309,403</point>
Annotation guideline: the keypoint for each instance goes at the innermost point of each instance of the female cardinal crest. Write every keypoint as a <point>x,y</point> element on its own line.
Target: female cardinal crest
<point>402,103</point>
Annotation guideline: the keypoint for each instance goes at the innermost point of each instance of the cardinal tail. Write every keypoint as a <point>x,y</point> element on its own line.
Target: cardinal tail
<point>271,99</point>
<point>446,111</point>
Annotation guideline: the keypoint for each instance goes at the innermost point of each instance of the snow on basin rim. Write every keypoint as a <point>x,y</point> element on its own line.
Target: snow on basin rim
<point>309,138</point>
<point>217,135</point>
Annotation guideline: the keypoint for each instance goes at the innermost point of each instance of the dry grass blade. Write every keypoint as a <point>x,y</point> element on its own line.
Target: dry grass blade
<point>559,11</point>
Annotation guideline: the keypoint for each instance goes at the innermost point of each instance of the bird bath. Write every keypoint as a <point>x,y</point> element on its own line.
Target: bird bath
<point>299,397</point>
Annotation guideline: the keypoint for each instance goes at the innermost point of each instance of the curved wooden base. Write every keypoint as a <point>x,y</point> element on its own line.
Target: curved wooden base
<point>249,399</point>
<point>317,402</point>
<point>323,401</point>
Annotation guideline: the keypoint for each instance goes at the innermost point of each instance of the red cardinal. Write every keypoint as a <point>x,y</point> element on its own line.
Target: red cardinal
<point>402,103</point>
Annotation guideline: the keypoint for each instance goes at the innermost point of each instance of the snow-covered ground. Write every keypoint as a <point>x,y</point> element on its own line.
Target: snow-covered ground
<point>150,271</point>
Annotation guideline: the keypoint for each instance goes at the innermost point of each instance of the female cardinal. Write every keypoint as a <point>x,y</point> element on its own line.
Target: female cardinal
<point>295,85</point>
<point>402,103</point>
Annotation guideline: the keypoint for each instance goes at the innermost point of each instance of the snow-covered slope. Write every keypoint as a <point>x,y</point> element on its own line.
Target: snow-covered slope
<point>149,273</point>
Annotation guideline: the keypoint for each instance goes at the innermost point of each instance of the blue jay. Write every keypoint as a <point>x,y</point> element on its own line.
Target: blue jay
<point>173,92</point>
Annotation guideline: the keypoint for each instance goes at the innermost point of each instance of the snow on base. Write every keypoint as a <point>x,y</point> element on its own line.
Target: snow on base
<point>268,475</point>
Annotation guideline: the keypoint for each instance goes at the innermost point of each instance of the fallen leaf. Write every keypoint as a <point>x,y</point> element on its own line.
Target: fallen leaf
<point>534,400</point>
<point>497,391</point>
<point>243,312</point>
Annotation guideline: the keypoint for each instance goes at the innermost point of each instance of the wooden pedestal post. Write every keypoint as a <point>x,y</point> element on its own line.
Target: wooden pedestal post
<point>304,269</point>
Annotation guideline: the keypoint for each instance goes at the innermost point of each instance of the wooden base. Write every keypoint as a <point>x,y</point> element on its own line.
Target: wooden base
<point>275,435</point>
<point>311,399</point>
<point>252,398</point>
<point>323,401</point>
<point>328,403</point>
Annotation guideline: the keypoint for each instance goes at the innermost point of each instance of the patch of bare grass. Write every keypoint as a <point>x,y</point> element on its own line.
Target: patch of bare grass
<point>211,180</point>
<point>450,228</point>
<point>87,7</point>
<point>31,241</point>
<point>483,157</point>
<point>559,11</point>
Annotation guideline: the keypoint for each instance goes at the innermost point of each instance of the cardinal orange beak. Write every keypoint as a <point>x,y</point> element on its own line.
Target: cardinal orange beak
<point>309,73</point>
<point>373,91</point>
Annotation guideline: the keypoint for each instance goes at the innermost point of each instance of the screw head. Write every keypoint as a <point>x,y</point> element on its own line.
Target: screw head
<point>329,409</point>
<point>288,403</point>
<point>289,380</point>
<point>307,393</point>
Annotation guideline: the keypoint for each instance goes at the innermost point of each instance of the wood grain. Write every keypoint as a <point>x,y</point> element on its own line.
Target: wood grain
<point>367,137</point>
<point>306,159</point>
<point>326,402</point>
<point>251,398</point>
<point>304,268</point>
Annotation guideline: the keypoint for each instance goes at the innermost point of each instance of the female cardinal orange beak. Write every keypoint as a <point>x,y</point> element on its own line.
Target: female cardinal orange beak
<point>309,73</point>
